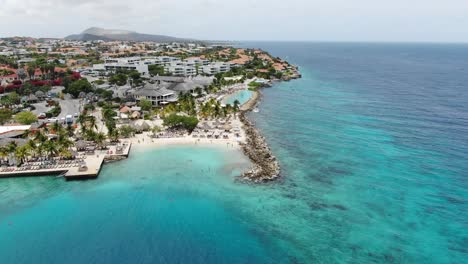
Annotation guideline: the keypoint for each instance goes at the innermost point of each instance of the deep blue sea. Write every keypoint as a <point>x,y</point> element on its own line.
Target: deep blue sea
<point>373,143</point>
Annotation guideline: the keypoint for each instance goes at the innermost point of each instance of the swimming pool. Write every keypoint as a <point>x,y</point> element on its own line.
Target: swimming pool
<point>242,96</point>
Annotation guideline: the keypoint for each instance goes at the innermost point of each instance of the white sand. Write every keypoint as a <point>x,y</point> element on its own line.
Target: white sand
<point>144,140</point>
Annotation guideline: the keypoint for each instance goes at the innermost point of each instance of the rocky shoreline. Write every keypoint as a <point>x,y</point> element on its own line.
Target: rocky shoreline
<point>266,167</point>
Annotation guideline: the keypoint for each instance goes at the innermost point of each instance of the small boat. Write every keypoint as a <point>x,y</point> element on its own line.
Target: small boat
<point>256,110</point>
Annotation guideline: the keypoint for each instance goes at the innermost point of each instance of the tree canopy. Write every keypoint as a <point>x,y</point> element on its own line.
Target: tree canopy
<point>156,70</point>
<point>180,122</point>
<point>25,118</point>
<point>120,79</point>
<point>145,104</point>
<point>76,87</point>
<point>5,115</point>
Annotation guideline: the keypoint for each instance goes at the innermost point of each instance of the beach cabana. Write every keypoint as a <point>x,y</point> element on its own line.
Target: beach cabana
<point>145,126</point>
<point>216,123</point>
<point>205,127</point>
<point>81,145</point>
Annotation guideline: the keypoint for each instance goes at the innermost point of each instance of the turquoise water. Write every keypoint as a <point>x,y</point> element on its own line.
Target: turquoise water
<point>242,96</point>
<point>372,142</point>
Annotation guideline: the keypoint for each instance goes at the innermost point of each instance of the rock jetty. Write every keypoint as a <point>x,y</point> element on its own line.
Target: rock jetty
<point>265,165</point>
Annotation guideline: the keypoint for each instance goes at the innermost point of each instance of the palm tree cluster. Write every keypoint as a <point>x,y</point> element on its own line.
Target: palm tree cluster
<point>47,70</point>
<point>213,108</point>
<point>108,115</point>
<point>186,104</point>
<point>89,129</point>
<point>41,145</point>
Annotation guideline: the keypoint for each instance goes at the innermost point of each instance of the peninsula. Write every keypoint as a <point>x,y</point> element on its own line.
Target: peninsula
<point>69,105</point>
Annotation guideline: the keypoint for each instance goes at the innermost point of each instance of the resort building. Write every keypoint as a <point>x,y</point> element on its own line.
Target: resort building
<point>179,68</point>
<point>216,67</point>
<point>124,65</point>
<point>157,94</point>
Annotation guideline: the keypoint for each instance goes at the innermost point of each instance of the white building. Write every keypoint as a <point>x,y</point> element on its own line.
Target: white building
<point>216,67</point>
<point>124,64</point>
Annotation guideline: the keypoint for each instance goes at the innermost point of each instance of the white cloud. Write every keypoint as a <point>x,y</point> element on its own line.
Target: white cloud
<point>244,19</point>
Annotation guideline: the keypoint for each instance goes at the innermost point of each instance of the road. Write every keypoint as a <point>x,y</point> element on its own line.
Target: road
<point>40,108</point>
<point>69,107</point>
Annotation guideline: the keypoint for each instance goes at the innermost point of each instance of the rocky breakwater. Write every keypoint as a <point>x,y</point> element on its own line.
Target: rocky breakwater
<point>266,167</point>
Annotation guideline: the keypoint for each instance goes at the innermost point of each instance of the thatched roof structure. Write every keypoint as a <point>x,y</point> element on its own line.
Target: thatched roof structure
<point>205,126</point>
<point>81,145</point>
<point>145,126</point>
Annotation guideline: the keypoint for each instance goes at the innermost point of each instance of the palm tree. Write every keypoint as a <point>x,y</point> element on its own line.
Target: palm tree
<point>64,142</point>
<point>114,135</point>
<point>81,119</point>
<point>11,147</point>
<point>91,120</point>
<point>50,148</point>
<point>228,108</point>
<point>40,137</point>
<point>21,153</point>
<point>217,110</point>
<point>4,153</point>
<point>99,139</point>
<point>32,147</point>
<point>31,70</point>
<point>21,74</point>
<point>57,128</point>
<point>236,106</point>
<point>70,130</point>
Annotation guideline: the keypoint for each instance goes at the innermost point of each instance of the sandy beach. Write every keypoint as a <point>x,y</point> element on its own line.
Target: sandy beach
<point>145,140</point>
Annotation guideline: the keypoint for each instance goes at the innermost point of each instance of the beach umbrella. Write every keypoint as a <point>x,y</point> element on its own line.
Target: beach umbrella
<point>81,144</point>
<point>227,127</point>
<point>205,126</point>
<point>216,123</point>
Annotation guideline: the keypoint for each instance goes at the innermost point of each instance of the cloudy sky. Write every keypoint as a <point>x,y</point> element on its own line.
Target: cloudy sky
<point>316,20</point>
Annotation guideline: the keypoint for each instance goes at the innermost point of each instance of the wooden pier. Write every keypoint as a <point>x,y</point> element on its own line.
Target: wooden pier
<point>93,164</point>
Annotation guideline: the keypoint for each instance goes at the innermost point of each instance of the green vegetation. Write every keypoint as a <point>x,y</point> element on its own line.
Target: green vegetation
<point>54,111</point>
<point>25,118</point>
<point>5,72</point>
<point>76,87</point>
<point>135,77</point>
<point>119,79</point>
<point>213,109</point>
<point>106,94</point>
<point>145,105</point>
<point>10,99</point>
<point>5,115</point>
<point>8,61</point>
<point>175,121</point>
<point>156,70</point>
<point>99,82</point>
<point>41,146</point>
<point>186,104</point>
<point>127,131</point>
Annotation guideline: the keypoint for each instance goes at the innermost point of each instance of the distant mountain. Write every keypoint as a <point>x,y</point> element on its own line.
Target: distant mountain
<point>95,33</point>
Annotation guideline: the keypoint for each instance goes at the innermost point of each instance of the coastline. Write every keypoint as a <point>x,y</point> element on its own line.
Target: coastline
<point>265,165</point>
<point>144,140</point>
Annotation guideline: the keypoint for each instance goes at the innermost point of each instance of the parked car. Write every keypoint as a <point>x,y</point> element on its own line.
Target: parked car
<point>41,116</point>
